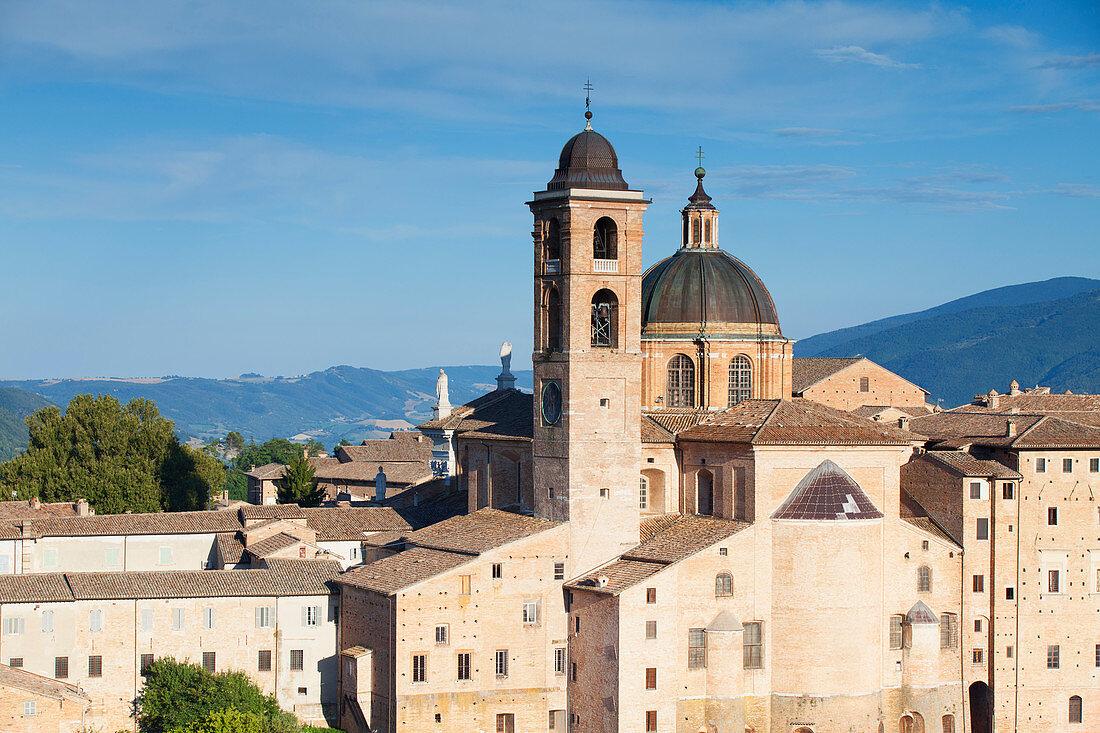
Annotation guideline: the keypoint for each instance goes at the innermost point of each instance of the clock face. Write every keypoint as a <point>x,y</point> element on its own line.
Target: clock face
<point>551,403</point>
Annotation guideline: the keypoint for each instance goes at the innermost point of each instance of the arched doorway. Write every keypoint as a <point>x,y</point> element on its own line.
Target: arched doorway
<point>704,492</point>
<point>981,708</point>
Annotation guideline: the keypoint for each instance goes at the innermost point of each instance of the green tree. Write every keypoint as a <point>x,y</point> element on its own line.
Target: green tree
<point>299,484</point>
<point>225,721</point>
<point>181,694</point>
<point>234,440</point>
<point>276,450</point>
<point>343,441</point>
<point>119,458</point>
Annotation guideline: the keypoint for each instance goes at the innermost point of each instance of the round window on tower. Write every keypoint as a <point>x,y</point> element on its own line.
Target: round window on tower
<point>551,403</point>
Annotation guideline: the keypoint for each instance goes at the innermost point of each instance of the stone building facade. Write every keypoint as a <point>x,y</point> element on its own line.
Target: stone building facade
<point>34,702</point>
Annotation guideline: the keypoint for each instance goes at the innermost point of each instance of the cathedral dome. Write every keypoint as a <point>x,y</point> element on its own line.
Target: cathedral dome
<point>588,161</point>
<point>699,285</point>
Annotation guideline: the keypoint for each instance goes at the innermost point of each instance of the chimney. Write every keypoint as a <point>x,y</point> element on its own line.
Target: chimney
<point>82,508</point>
<point>903,423</point>
<point>1014,388</point>
<point>1010,429</point>
<point>993,400</point>
<point>380,485</point>
<point>35,502</point>
<point>602,581</point>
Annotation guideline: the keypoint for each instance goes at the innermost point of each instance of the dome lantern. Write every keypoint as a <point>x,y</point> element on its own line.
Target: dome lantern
<point>700,218</point>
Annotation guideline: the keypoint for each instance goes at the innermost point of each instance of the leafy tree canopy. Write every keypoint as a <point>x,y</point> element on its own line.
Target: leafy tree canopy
<point>276,450</point>
<point>119,458</point>
<point>225,721</point>
<point>299,486</point>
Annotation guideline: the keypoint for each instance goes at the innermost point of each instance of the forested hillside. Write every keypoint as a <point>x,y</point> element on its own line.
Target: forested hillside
<point>15,405</point>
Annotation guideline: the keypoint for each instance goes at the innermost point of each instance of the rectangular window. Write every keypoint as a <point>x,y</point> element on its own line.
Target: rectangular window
<point>146,619</point>
<point>95,666</point>
<point>420,668</point>
<point>166,556</point>
<point>47,621</point>
<point>651,629</point>
<point>605,493</point>
<point>643,493</point>
<point>30,707</point>
<point>1054,656</point>
<point>61,667</point>
<point>576,624</point>
<point>311,615</point>
<point>896,636</point>
<point>1067,465</point>
<point>982,530</point>
<point>978,625</point>
<point>498,570</point>
<point>177,618</point>
<point>464,666</point>
<point>1008,491</point>
<point>464,585</point>
<point>979,584</point>
<point>146,664</point>
<point>977,656</point>
<point>1010,593</point>
<point>501,663</point>
<point>297,660</point>
<point>1054,581</point>
<point>573,671</point>
<point>110,557</point>
<point>559,571</point>
<point>949,630</point>
<point>506,723</point>
<point>650,595</point>
<point>754,645</point>
<point>17,662</point>
<point>975,490</point>
<point>265,617</point>
<point>530,612</point>
<point>559,660</point>
<point>49,558</point>
<point>1094,465</point>
<point>650,721</point>
<point>1097,656</point>
<point>208,617</point>
<point>864,384</point>
<point>1008,652</point>
<point>697,648</point>
<point>1040,465</point>
<point>14,626</point>
<point>263,660</point>
<point>95,620</point>
<point>441,635</point>
<point>651,678</point>
<point>1052,515</point>
<point>210,662</point>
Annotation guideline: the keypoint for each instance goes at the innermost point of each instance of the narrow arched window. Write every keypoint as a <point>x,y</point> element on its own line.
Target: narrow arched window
<point>706,231</point>
<point>605,316</point>
<point>553,320</point>
<point>948,724</point>
<point>1075,712</point>
<point>723,585</point>
<point>680,390</point>
<point>686,240</point>
<point>605,239</point>
<point>740,380</point>
<point>553,242</point>
<point>924,579</point>
<point>696,235</point>
<point>643,492</point>
<point>704,492</point>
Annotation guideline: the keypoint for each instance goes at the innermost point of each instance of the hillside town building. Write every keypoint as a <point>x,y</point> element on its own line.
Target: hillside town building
<point>684,529</point>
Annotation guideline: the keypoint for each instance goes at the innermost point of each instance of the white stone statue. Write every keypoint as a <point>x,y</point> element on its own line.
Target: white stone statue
<point>442,407</point>
<point>506,380</point>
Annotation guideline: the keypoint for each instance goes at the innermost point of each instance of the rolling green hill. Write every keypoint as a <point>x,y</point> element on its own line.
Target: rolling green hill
<point>339,402</point>
<point>16,404</point>
<point>955,355</point>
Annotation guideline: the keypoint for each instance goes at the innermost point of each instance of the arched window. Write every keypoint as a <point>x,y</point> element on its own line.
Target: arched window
<point>905,725</point>
<point>686,240</point>
<point>553,320</point>
<point>553,241</point>
<point>723,585</point>
<point>643,492</point>
<point>704,492</point>
<point>740,380</point>
<point>605,240</point>
<point>706,230</point>
<point>605,317</point>
<point>1075,711</point>
<point>924,579</point>
<point>695,233</point>
<point>681,382</point>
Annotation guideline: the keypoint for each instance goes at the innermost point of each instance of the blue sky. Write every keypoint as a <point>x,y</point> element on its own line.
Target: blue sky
<point>208,188</point>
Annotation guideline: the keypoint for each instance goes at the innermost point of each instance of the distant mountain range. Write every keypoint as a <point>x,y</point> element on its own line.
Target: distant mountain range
<point>339,402</point>
<point>1042,333</point>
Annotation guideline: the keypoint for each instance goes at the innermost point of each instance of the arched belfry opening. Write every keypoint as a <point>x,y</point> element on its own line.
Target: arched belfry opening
<point>605,319</point>
<point>605,239</point>
<point>553,320</point>
<point>552,244</point>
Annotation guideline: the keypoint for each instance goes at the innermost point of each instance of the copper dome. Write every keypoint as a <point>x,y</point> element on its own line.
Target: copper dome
<point>704,286</point>
<point>588,161</point>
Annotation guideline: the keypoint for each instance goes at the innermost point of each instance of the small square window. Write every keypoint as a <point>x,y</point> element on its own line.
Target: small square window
<point>605,493</point>
<point>95,666</point>
<point>723,551</point>
<point>924,544</point>
<point>559,571</point>
<point>15,662</point>
<point>1008,491</point>
<point>604,402</point>
<point>651,460</point>
<point>498,570</point>
<point>1067,465</point>
<point>975,490</point>
<point>441,635</point>
<point>1052,515</point>
<point>530,612</point>
<point>1094,465</point>
<point>1010,593</point>
<point>146,664</point>
<point>303,690</point>
<point>1040,465</point>
<point>30,707</point>
<point>297,659</point>
<point>977,656</point>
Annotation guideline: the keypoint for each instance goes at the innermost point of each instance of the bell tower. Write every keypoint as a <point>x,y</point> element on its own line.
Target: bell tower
<point>587,357</point>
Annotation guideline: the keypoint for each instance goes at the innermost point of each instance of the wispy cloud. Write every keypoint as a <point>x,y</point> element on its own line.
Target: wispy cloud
<point>860,55</point>
<point>806,132</point>
<point>1089,60</point>
<point>1075,190</point>
<point>1087,105</point>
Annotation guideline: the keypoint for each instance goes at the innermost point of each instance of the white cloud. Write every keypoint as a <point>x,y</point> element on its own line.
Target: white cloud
<point>1087,105</point>
<point>1075,190</point>
<point>858,54</point>
<point>806,132</point>
<point>1072,62</point>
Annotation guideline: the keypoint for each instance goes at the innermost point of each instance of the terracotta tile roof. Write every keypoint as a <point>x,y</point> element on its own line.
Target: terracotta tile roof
<point>353,522</point>
<point>677,419</point>
<point>956,429</point>
<point>397,572</point>
<point>808,371</point>
<point>401,446</point>
<point>12,510</point>
<point>499,415</point>
<point>653,432</point>
<point>34,588</point>
<point>965,464</point>
<point>271,545</point>
<point>271,511</point>
<point>381,539</point>
<point>913,513</point>
<point>267,471</point>
<point>230,548</point>
<point>670,539</point>
<point>21,679</point>
<point>475,533</point>
<point>332,470</point>
<point>793,422</point>
<point>827,493</point>
<point>201,522</point>
<point>869,411</point>
<point>289,578</point>
<point>1082,408</point>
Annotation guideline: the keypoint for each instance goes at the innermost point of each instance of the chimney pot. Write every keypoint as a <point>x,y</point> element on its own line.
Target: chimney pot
<point>903,423</point>
<point>1010,429</point>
